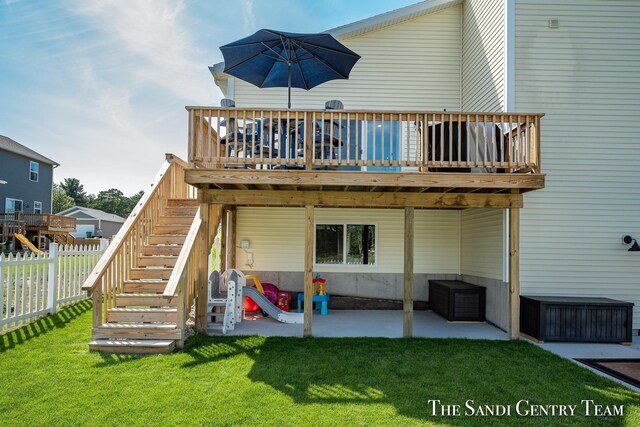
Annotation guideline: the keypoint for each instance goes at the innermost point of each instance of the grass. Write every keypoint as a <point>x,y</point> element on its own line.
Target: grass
<point>49,377</point>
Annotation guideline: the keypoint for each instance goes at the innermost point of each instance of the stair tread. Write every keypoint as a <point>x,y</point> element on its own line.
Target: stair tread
<point>144,309</point>
<point>133,343</point>
<point>138,326</point>
<point>157,256</point>
<point>146,281</point>
<point>139,294</point>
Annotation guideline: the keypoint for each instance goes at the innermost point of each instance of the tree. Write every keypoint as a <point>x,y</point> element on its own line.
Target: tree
<point>133,201</point>
<point>75,190</point>
<point>61,200</point>
<point>112,201</point>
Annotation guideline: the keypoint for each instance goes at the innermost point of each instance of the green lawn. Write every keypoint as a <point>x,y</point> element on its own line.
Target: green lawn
<point>48,377</point>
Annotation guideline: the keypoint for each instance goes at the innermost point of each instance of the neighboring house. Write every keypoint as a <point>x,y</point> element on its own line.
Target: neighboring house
<point>28,176</point>
<point>94,221</point>
<point>576,62</point>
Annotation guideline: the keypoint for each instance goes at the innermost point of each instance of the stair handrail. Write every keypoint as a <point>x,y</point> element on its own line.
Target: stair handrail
<point>132,220</point>
<point>179,270</point>
<point>187,273</point>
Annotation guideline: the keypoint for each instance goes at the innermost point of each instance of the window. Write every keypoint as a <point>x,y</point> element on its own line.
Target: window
<point>12,205</point>
<point>345,244</point>
<point>37,207</point>
<point>34,171</point>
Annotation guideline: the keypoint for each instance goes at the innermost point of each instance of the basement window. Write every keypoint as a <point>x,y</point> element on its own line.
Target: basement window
<point>345,244</point>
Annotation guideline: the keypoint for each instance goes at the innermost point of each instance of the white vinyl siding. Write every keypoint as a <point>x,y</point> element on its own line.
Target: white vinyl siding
<point>413,65</point>
<point>585,76</point>
<point>483,62</point>
<point>277,239</point>
<point>481,243</point>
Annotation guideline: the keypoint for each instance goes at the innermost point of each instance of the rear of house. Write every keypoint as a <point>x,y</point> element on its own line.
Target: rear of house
<point>434,56</point>
<point>573,63</point>
<point>434,170</point>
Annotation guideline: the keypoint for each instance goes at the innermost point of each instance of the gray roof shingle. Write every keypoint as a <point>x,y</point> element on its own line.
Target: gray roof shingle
<point>8,144</point>
<point>95,213</point>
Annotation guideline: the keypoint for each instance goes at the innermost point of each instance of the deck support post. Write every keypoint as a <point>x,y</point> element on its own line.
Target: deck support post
<point>231,245</point>
<point>514,273</point>
<point>407,319</point>
<point>202,283</point>
<point>223,240</point>
<point>308,270</point>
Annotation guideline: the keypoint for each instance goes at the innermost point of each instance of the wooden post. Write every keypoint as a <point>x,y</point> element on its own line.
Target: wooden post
<point>309,131</point>
<point>514,273</point>
<point>232,237</point>
<point>230,243</point>
<point>407,320</point>
<point>202,283</point>
<point>308,270</point>
<point>223,241</point>
<point>96,296</point>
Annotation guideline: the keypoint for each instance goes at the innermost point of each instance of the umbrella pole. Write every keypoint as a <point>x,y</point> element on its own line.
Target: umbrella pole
<point>289,85</point>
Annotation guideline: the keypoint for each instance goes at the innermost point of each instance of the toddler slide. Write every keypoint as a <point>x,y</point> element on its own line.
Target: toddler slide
<point>270,309</point>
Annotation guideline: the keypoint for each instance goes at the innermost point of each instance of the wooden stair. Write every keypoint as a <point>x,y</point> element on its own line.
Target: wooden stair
<point>143,320</point>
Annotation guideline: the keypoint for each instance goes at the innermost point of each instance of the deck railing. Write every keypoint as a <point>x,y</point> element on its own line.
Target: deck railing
<point>374,140</point>
<point>106,279</point>
<point>42,221</point>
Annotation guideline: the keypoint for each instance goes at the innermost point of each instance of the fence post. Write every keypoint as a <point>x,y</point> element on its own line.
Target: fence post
<point>53,270</point>
<point>104,243</point>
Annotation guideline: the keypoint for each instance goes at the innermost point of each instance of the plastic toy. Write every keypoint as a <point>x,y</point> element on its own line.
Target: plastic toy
<point>269,290</point>
<point>319,285</point>
<point>283,301</point>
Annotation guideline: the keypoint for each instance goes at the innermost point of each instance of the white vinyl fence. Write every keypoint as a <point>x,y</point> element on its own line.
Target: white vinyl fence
<point>34,285</point>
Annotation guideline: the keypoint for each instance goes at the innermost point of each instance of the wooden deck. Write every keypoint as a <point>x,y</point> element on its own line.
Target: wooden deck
<point>372,159</point>
<point>41,222</point>
<point>363,158</point>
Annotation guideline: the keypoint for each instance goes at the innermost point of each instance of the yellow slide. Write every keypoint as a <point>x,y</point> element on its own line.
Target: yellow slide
<point>27,243</point>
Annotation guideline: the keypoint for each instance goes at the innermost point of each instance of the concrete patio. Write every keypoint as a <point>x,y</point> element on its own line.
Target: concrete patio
<point>370,323</point>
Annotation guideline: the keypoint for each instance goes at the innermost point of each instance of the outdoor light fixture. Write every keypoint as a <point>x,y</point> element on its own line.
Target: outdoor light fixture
<point>635,247</point>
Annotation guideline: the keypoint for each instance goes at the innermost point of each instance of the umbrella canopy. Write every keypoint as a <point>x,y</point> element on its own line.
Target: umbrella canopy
<point>271,58</point>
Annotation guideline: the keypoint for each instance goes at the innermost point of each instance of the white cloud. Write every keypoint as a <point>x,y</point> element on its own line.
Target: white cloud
<point>153,33</point>
<point>249,17</point>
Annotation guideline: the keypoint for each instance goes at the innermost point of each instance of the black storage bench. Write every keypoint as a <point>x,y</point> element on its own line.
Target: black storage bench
<point>457,301</point>
<point>576,319</point>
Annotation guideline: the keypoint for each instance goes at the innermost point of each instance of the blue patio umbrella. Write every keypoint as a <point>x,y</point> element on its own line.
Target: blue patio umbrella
<point>271,58</point>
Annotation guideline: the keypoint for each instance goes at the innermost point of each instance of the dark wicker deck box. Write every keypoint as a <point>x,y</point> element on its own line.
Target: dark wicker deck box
<point>578,319</point>
<point>457,301</point>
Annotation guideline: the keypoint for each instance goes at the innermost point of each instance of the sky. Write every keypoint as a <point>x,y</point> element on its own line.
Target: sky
<point>100,86</point>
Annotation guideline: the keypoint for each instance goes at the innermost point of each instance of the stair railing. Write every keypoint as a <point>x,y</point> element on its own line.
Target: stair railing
<point>108,276</point>
<point>186,274</point>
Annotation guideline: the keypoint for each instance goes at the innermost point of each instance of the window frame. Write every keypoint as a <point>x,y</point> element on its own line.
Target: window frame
<point>35,206</point>
<point>344,243</point>
<point>37,171</point>
<point>14,200</point>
